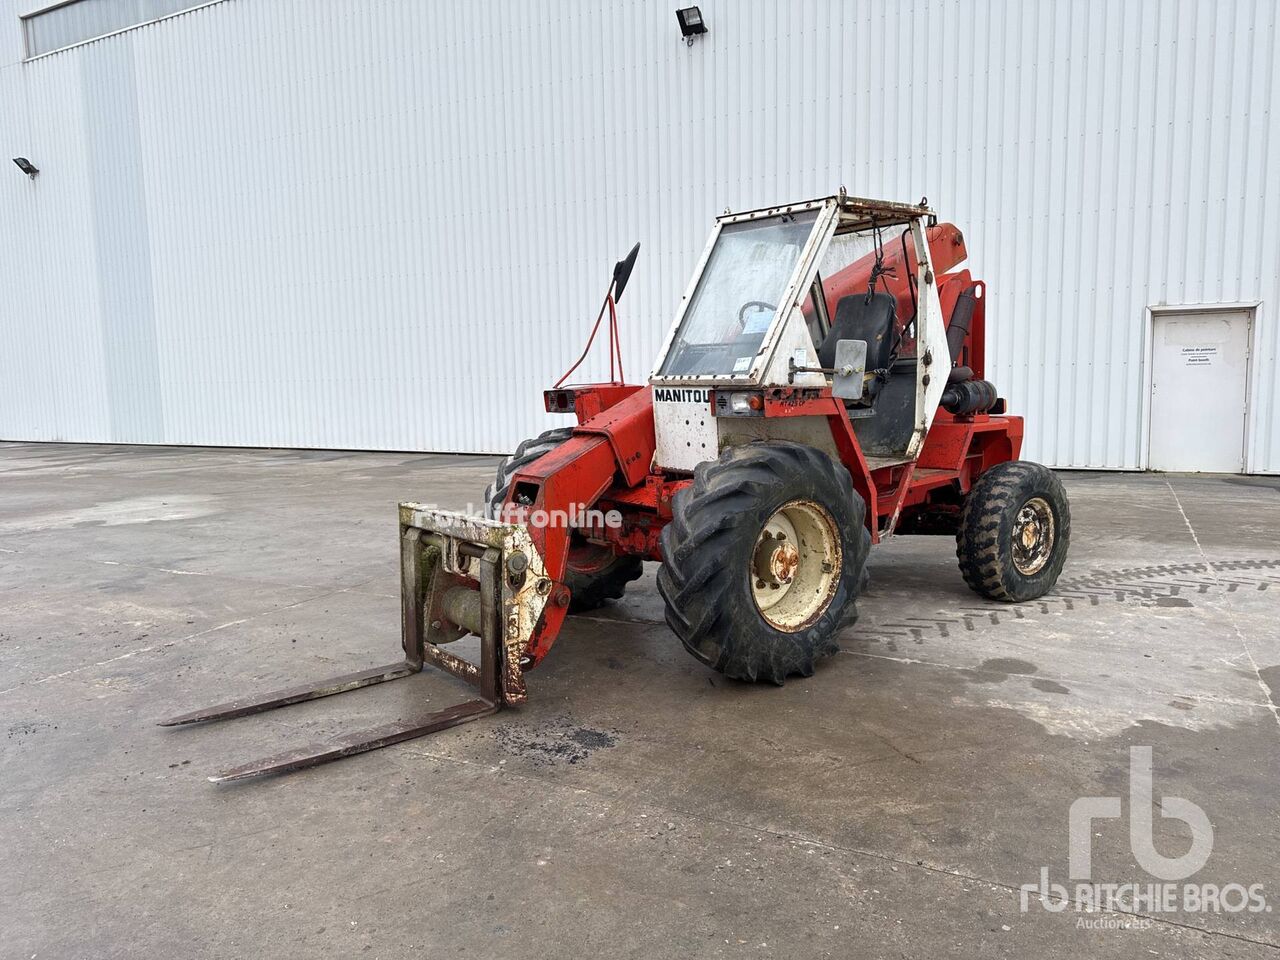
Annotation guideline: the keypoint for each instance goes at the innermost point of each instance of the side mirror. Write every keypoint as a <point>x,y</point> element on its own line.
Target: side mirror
<point>622,272</point>
<point>851,364</point>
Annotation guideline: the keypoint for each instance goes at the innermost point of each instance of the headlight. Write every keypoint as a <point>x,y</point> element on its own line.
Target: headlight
<point>558,401</point>
<point>739,404</point>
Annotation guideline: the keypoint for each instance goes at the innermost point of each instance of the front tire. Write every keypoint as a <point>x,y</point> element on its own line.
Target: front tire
<point>763,559</point>
<point>1014,532</point>
<point>594,573</point>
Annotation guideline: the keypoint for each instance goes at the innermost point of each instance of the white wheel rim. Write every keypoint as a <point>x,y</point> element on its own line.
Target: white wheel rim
<point>795,566</point>
<point>1033,536</point>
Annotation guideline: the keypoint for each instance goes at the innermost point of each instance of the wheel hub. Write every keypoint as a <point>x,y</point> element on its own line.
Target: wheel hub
<point>1033,536</point>
<point>776,559</point>
<point>795,566</point>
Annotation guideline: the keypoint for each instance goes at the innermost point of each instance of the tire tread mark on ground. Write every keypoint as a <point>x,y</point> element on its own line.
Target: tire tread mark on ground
<point>1151,583</point>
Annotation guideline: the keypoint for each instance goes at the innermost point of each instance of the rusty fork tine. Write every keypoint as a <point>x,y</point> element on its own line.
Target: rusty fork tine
<point>374,739</point>
<point>283,698</point>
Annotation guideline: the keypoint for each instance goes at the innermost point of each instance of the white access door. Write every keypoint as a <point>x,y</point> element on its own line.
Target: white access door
<point>1199,378</point>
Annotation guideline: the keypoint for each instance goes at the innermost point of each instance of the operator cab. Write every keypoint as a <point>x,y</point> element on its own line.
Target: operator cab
<point>775,295</point>
<point>734,304</point>
<point>776,292</point>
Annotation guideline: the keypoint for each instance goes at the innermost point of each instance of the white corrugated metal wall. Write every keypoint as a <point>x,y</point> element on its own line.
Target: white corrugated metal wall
<point>387,224</point>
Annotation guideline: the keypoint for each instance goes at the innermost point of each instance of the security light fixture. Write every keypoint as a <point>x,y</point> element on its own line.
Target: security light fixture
<point>691,23</point>
<point>26,166</point>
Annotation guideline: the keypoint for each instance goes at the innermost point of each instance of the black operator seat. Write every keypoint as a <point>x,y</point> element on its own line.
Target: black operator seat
<point>860,318</point>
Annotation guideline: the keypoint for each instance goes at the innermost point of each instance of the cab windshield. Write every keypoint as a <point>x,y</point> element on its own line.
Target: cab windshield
<point>737,296</point>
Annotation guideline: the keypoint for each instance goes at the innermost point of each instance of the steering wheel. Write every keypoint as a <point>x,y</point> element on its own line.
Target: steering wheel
<point>742,322</point>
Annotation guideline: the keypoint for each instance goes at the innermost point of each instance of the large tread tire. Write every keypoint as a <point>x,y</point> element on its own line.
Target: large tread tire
<point>984,540</point>
<point>588,589</point>
<point>707,548</point>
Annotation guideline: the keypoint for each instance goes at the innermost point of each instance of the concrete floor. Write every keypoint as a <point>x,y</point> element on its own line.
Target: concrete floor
<point>638,806</point>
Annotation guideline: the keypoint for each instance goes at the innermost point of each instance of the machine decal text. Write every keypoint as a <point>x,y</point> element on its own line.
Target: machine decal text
<point>681,395</point>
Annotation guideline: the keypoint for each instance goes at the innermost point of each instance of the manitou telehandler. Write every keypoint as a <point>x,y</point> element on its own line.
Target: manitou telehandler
<point>821,388</point>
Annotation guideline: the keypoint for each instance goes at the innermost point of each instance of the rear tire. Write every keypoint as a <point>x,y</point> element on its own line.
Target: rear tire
<point>1014,532</point>
<point>739,598</point>
<point>594,574</point>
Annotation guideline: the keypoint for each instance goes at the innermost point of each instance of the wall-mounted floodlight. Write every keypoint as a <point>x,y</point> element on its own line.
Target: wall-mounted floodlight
<point>691,23</point>
<point>26,166</point>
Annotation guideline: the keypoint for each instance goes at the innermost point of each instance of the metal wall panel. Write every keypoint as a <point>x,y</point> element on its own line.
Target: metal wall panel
<point>387,224</point>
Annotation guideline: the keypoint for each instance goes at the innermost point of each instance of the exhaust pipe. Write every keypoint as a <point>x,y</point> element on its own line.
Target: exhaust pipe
<point>961,321</point>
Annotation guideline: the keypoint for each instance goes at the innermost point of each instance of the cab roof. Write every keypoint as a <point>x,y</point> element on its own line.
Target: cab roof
<point>855,212</point>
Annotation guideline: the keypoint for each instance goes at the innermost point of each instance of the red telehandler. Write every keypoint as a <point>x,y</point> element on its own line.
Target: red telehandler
<point>821,388</point>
